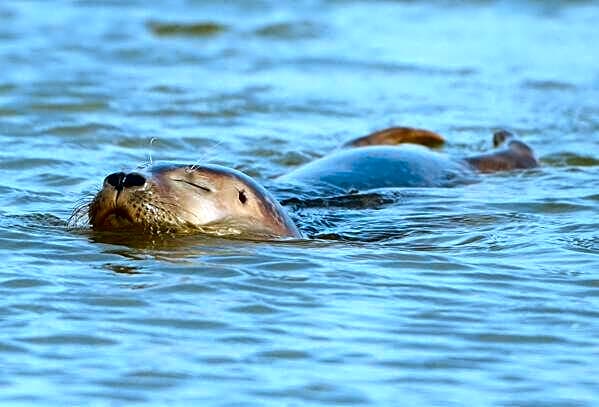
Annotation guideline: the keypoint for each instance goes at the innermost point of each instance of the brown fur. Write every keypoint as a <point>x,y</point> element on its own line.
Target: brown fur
<point>398,135</point>
<point>516,155</point>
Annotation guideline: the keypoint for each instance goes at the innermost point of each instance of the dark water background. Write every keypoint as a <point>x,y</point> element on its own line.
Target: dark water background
<point>486,294</point>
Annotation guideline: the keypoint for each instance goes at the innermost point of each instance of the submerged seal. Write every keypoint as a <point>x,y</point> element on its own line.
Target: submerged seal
<point>223,201</point>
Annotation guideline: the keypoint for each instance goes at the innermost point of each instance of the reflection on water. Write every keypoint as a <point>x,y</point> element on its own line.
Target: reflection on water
<point>483,294</point>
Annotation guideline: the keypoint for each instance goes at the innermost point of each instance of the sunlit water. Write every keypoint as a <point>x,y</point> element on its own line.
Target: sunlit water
<point>484,294</point>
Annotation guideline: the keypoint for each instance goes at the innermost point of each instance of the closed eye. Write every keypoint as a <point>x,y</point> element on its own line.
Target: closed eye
<point>203,188</point>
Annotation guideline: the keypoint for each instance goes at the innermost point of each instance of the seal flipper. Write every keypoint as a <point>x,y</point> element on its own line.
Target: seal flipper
<point>516,155</point>
<point>398,135</point>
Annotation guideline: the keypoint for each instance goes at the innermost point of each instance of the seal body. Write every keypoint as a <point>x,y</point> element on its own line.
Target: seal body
<point>372,167</point>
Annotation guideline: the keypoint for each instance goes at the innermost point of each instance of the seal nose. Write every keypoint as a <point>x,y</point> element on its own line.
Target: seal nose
<point>120,180</point>
<point>134,180</point>
<point>116,180</point>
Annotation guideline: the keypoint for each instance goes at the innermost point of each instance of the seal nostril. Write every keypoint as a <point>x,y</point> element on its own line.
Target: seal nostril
<point>116,179</point>
<point>134,180</point>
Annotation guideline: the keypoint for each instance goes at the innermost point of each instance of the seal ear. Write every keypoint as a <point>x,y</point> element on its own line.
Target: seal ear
<point>242,196</point>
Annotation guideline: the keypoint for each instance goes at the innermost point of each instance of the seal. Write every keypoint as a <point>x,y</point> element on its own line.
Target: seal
<point>223,201</point>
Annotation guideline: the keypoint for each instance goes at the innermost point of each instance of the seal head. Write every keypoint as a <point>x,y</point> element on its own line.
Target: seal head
<point>212,199</point>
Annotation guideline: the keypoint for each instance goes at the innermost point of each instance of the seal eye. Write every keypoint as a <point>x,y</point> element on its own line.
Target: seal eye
<point>242,197</point>
<point>203,188</point>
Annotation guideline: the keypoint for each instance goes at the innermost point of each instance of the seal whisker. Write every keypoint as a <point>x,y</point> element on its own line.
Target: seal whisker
<point>80,212</point>
<point>203,157</point>
<point>148,161</point>
<point>87,198</point>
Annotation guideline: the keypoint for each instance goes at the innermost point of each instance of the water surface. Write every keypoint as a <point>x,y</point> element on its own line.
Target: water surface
<point>482,294</point>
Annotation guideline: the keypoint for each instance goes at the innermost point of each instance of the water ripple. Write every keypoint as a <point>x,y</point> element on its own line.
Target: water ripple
<point>483,294</point>
<point>74,339</point>
<point>200,29</point>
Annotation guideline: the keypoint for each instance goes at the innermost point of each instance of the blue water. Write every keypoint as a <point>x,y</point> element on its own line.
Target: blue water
<point>481,294</point>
